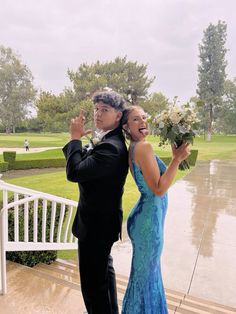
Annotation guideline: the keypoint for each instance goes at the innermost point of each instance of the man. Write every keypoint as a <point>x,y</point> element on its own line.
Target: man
<point>26,145</point>
<point>100,173</point>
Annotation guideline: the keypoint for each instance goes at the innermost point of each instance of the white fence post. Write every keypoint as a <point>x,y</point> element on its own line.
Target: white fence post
<point>1,251</point>
<point>4,235</point>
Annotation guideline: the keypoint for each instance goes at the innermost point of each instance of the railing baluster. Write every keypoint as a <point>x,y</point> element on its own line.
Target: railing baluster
<point>62,214</point>
<point>4,238</point>
<point>36,220</point>
<point>71,237</point>
<point>44,222</point>
<point>68,223</point>
<point>53,215</point>
<point>16,219</point>
<point>5,202</point>
<point>71,234</point>
<point>26,220</point>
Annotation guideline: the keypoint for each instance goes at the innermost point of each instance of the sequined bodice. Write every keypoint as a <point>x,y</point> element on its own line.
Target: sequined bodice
<point>139,179</point>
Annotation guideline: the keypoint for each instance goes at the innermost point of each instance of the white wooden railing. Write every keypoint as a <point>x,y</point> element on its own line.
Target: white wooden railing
<point>21,200</point>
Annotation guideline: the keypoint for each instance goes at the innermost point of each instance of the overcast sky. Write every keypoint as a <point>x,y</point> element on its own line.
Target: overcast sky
<point>54,35</point>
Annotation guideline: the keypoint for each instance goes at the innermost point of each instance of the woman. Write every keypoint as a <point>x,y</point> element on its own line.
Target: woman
<point>145,291</point>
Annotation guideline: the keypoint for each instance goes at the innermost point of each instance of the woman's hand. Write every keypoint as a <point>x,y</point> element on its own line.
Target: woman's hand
<point>181,153</point>
<point>77,127</point>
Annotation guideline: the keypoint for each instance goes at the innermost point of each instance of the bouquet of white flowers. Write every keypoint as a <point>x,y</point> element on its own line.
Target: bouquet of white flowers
<point>175,126</point>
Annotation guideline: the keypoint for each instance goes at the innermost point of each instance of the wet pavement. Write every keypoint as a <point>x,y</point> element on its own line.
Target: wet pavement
<point>199,254</point>
<point>31,292</point>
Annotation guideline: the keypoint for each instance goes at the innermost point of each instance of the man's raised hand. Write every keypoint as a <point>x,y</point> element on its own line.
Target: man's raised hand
<point>77,129</point>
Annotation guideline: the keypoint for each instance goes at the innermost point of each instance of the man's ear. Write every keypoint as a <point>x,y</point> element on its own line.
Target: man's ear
<point>125,127</point>
<point>119,115</point>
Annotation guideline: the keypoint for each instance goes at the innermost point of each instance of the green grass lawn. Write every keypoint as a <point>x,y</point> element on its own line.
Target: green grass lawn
<point>221,146</point>
<point>35,139</point>
<point>50,153</point>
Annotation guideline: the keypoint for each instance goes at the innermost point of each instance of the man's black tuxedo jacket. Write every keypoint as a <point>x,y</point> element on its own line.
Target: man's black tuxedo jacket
<point>101,174</point>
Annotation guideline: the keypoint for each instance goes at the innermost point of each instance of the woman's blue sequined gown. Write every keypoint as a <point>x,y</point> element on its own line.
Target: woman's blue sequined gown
<point>145,292</point>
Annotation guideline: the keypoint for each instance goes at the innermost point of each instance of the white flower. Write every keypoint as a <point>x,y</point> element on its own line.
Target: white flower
<point>175,109</point>
<point>164,115</point>
<point>161,125</point>
<point>175,117</point>
<point>155,120</point>
<point>95,140</point>
<point>92,142</point>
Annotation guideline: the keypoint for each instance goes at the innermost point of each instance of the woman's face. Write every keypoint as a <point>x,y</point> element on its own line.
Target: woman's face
<point>137,124</point>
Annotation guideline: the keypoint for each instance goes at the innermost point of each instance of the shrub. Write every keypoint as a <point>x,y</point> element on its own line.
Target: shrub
<point>3,166</point>
<point>166,160</point>
<point>31,258</point>
<point>10,157</point>
<point>192,158</point>
<point>39,163</point>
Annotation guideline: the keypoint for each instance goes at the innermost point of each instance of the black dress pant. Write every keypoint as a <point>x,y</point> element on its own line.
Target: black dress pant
<point>97,276</point>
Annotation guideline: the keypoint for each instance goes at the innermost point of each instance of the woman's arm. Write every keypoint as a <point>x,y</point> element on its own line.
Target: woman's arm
<point>144,157</point>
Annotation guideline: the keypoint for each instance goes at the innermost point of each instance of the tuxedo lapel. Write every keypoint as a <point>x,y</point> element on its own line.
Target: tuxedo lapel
<point>115,132</point>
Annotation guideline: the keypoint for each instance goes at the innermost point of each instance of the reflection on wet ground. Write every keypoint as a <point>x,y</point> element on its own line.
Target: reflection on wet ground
<point>199,254</point>
<point>31,292</point>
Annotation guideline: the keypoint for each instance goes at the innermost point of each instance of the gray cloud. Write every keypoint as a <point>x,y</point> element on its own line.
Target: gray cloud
<point>54,35</point>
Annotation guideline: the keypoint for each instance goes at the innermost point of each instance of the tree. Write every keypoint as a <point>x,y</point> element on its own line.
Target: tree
<point>126,77</point>
<point>16,89</point>
<point>54,112</point>
<point>198,107</point>
<point>156,103</point>
<point>30,124</point>
<point>211,71</point>
<point>226,121</point>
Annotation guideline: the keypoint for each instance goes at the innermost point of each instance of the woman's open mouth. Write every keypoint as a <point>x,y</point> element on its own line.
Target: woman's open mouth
<point>144,131</point>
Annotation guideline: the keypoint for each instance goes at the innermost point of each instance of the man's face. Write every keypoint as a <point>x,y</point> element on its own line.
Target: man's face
<point>106,117</point>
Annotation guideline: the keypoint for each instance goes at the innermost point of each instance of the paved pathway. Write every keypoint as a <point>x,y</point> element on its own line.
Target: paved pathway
<point>199,254</point>
<point>23,151</point>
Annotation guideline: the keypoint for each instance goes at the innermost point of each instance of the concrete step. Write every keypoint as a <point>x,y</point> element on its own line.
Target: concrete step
<point>55,288</point>
<point>34,292</point>
<point>66,273</point>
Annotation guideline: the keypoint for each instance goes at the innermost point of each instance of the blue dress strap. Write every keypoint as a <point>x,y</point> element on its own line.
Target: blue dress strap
<point>132,151</point>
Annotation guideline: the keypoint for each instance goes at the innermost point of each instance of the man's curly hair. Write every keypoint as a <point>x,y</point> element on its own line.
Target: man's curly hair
<point>110,98</point>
